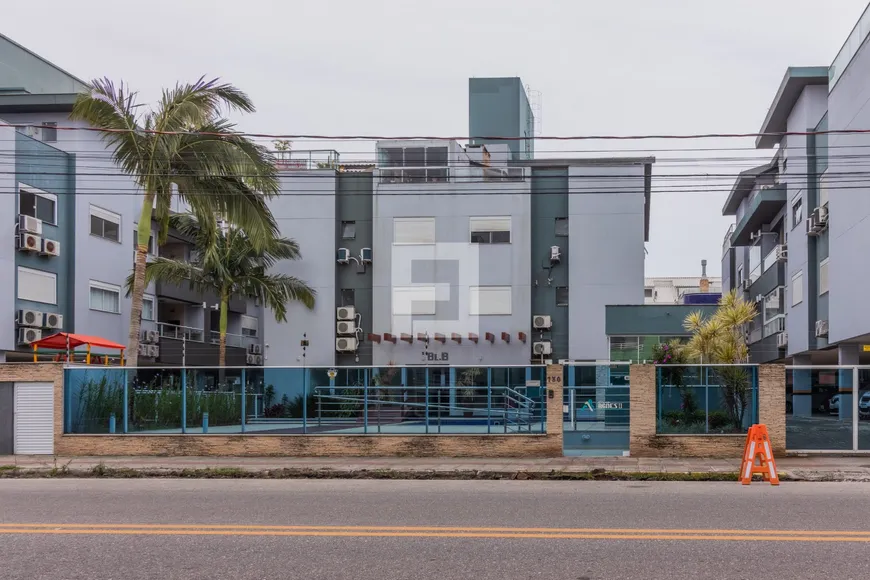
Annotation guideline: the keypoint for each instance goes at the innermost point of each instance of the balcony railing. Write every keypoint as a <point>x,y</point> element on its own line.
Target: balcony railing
<point>774,325</point>
<point>298,160</point>
<point>180,332</point>
<point>769,260</point>
<point>726,243</point>
<point>415,175</point>
<point>235,340</point>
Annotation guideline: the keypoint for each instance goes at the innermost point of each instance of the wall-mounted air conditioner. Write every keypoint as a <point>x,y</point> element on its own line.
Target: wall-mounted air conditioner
<point>153,336</point>
<point>50,248</point>
<point>542,348</point>
<point>54,321</point>
<point>258,359</point>
<point>343,256</point>
<point>142,350</point>
<point>542,322</point>
<point>822,215</point>
<point>781,253</point>
<point>782,340</point>
<point>250,359</point>
<point>345,344</point>
<point>365,256</point>
<point>153,351</point>
<point>345,313</point>
<point>255,348</point>
<point>29,224</point>
<point>29,242</point>
<point>33,318</point>
<point>28,335</point>
<point>345,327</point>
<point>821,328</point>
<point>746,285</point>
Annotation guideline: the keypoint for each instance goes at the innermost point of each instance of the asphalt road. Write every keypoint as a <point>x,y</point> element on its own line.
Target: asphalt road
<point>335,529</point>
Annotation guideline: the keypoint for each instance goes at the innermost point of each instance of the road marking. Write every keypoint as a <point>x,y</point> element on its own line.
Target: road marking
<point>437,532</point>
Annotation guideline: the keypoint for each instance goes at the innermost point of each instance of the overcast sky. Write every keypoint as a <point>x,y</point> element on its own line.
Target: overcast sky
<point>401,67</point>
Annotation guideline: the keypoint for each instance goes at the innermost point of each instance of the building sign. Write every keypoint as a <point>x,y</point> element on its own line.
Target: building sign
<point>429,356</point>
<point>601,406</point>
<point>867,348</point>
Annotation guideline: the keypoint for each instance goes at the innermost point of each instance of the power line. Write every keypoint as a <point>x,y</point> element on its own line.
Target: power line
<point>448,138</point>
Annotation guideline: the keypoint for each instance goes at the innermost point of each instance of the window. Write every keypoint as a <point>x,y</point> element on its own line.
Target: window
<point>797,212</point>
<point>37,286</point>
<point>152,245</point>
<point>412,300</point>
<point>348,297</point>
<point>105,297</point>
<point>797,288</point>
<point>823,277</point>
<point>105,224</point>
<point>562,295</point>
<point>414,230</point>
<point>490,230</point>
<point>250,325</point>
<point>647,292</point>
<point>38,204</point>
<point>490,300</point>
<point>754,263</point>
<point>348,230</point>
<point>147,307</point>
<point>773,305</point>
<point>740,276</point>
<point>562,227</point>
<point>49,132</point>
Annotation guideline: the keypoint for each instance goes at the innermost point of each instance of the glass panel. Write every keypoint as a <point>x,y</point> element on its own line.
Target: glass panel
<point>708,399</point>
<point>45,209</point>
<point>819,409</point>
<point>596,409</point>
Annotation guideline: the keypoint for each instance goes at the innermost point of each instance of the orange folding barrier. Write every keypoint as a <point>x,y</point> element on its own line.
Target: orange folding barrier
<point>758,449</point>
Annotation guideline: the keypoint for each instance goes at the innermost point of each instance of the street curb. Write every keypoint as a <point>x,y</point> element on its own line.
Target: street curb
<point>104,471</point>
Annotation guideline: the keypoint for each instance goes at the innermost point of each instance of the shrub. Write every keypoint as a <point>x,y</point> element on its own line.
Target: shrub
<point>718,420</point>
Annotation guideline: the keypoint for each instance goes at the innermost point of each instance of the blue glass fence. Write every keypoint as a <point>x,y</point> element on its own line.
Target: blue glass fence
<point>706,399</point>
<point>298,401</point>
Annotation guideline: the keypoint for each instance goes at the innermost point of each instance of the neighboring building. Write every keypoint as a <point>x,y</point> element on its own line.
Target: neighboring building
<point>679,290</point>
<point>633,331</point>
<point>797,246</point>
<point>79,212</point>
<point>499,107</point>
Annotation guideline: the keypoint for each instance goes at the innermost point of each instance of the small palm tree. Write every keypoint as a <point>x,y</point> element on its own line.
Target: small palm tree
<point>182,148</point>
<point>721,339</point>
<point>228,263</point>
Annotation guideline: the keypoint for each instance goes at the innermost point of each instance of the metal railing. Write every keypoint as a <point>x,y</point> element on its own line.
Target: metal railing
<point>236,340</point>
<point>414,175</point>
<point>303,159</point>
<point>726,243</point>
<point>180,332</point>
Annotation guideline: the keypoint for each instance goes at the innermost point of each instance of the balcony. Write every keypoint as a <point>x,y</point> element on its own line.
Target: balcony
<point>302,160</point>
<point>185,345</point>
<point>234,340</point>
<point>415,175</point>
<point>726,243</point>
<point>761,208</point>
<point>184,293</point>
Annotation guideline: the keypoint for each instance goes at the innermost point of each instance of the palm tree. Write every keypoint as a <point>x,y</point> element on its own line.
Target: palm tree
<point>721,339</point>
<point>226,261</point>
<point>182,148</point>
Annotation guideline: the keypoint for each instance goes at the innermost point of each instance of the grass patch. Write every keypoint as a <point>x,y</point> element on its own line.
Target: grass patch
<point>8,468</point>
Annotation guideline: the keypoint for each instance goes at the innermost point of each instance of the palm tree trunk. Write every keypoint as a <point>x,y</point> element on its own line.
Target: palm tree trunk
<point>143,234</point>
<point>222,344</point>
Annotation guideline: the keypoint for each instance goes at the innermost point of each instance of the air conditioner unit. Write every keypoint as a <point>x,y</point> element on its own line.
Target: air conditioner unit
<point>823,215</point>
<point>249,359</point>
<point>33,318</point>
<point>345,344</point>
<point>746,285</point>
<point>365,256</point>
<point>143,350</point>
<point>759,298</point>
<point>345,313</point>
<point>818,225</point>
<point>53,320</point>
<point>781,253</point>
<point>258,359</point>
<point>755,236</point>
<point>542,322</point>
<point>821,328</point>
<point>542,348</point>
<point>810,228</point>
<point>153,351</point>
<point>255,348</point>
<point>29,224</point>
<point>345,327</point>
<point>343,256</point>
<point>555,255</point>
<point>782,340</point>
<point>29,242</point>
<point>153,336</point>
<point>50,248</point>
<point>28,335</point>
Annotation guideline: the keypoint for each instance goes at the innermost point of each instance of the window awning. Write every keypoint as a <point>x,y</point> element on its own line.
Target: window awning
<point>64,340</point>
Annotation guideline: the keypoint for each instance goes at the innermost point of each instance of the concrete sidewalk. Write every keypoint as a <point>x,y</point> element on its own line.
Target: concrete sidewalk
<point>810,468</point>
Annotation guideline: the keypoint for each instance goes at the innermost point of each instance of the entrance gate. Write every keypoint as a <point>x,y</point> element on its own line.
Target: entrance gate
<point>596,408</point>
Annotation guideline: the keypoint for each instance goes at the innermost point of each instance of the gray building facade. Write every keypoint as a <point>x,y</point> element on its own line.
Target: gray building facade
<point>499,107</point>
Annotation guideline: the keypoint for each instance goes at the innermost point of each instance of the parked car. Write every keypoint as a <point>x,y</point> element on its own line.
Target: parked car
<point>834,404</point>
<point>864,405</point>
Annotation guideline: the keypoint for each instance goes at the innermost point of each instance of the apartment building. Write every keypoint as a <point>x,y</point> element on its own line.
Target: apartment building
<point>72,217</point>
<point>683,289</point>
<point>801,219</point>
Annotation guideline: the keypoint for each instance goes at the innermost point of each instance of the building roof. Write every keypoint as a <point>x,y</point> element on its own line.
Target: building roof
<point>44,60</point>
<point>42,103</point>
<point>793,83</point>
<point>743,185</point>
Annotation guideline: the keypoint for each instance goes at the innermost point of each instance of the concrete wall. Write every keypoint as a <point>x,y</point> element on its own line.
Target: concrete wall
<point>452,205</point>
<point>606,207</point>
<point>20,68</point>
<point>305,212</point>
<point>651,319</point>
<point>644,442</point>
<point>805,115</point>
<point>849,204</point>
<point>8,204</point>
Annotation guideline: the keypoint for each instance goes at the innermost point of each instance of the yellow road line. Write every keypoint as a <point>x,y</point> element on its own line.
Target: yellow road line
<point>435,529</point>
<point>637,535</point>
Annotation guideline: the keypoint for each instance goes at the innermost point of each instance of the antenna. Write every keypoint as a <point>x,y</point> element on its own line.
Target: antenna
<point>703,268</point>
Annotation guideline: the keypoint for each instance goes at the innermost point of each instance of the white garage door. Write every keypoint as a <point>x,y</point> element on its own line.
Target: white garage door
<point>34,419</point>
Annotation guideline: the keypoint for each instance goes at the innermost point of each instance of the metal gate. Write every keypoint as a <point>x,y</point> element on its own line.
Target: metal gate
<point>596,408</point>
<point>7,410</point>
<point>33,423</point>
